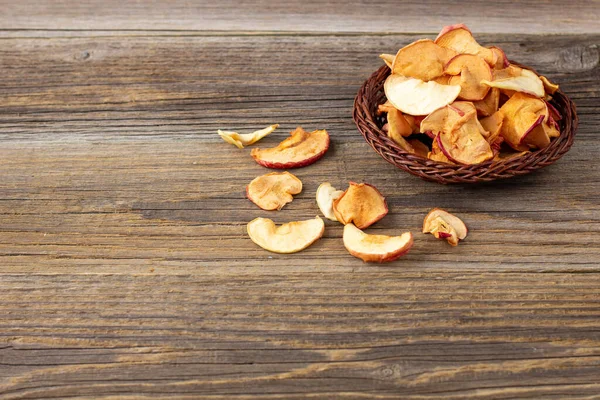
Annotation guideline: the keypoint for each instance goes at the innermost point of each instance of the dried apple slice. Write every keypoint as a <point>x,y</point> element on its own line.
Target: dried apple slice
<point>419,147</point>
<point>549,87</point>
<point>245,139</point>
<point>493,124</point>
<point>468,71</point>
<point>526,81</point>
<point>444,225</point>
<point>274,190</point>
<point>460,39</point>
<point>489,104</point>
<point>501,59</point>
<point>398,125</point>
<point>326,195</point>
<point>522,115</point>
<point>299,150</point>
<point>384,108</point>
<point>361,204</point>
<point>437,155</point>
<point>446,119</point>
<point>415,97</point>
<point>388,59</point>
<point>376,248</point>
<point>287,238</point>
<point>465,145</point>
<point>422,59</point>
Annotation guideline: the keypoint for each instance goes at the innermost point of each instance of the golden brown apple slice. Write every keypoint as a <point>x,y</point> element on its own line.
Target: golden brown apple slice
<point>493,124</point>
<point>419,147</point>
<point>459,38</point>
<point>299,150</point>
<point>549,87</point>
<point>246,139</point>
<point>447,119</point>
<point>444,225</point>
<point>361,204</point>
<point>384,108</point>
<point>398,125</point>
<point>523,113</point>
<point>287,238</point>
<point>437,155</point>
<point>388,59</point>
<point>468,71</point>
<point>465,144</point>
<point>501,59</point>
<point>489,104</point>
<point>526,81</point>
<point>422,59</point>
<point>326,195</point>
<point>376,248</point>
<point>415,97</point>
<point>274,190</point>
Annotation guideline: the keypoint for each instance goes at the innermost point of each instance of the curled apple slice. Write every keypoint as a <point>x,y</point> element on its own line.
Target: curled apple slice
<point>489,104</point>
<point>526,81</point>
<point>422,59</point>
<point>246,139</point>
<point>468,71</point>
<point>460,39</point>
<point>501,59</point>
<point>465,145</point>
<point>444,225</point>
<point>376,248</point>
<point>415,97</point>
<point>274,190</point>
<point>522,115</point>
<point>361,204</point>
<point>287,238</point>
<point>299,150</point>
<point>388,59</point>
<point>549,87</point>
<point>326,194</point>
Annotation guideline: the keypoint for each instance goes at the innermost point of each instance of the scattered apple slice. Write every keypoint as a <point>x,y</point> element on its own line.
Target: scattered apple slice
<point>299,150</point>
<point>415,97</point>
<point>526,81</point>
<point>422,59</point>
<point>274,190</point>
<point>246,139</point>
<point>489,104</point>
<point>522,115</point>
<point>375,248</point>
<point>468,71</point>
<point>549,87</point>
<point>460,39</point>
<point>361,204</point>
<point>287,238</point>
<point>388,59</point>
<point>326,194</point>
<point>444,225</point>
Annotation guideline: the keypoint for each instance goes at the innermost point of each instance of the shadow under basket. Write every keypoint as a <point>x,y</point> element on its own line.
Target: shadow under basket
<point>371,94</point>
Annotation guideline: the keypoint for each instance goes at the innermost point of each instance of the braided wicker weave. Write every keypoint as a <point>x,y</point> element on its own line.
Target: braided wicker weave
<point>370,125</point>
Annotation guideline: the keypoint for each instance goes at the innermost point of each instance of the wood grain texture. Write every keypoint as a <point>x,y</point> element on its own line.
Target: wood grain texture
<point>126,272</point>
<point>499,16</point>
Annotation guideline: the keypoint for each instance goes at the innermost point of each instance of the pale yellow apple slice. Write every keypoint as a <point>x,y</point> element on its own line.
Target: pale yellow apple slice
<point>375,248</point>
<point>361,204</point>
<point>526,82</point>
<point>246,139</point>
<point>444,225</point>
<point>326,195</point>
<point>274,190</point>
<point>422,59</point>
<point>287,238</point>
<point>415,97</point>
<point>299,150</point>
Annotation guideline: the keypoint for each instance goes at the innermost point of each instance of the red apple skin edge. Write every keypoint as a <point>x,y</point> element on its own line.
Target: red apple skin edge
<point>441,147</point>
<point>553,112</point>
<point>449,28</point>
<point>294,164</point>
<point>505,63</point>
<point>437,208</point>
<point>457,110</point>
<point>388,257</point>
<point>535,124</point>
<point>444,235</point>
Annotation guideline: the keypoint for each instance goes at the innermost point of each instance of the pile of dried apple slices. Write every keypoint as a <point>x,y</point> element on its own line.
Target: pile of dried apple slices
<point>452,100</point>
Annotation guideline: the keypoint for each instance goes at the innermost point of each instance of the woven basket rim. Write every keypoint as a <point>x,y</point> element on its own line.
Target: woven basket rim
<point>368,125</point>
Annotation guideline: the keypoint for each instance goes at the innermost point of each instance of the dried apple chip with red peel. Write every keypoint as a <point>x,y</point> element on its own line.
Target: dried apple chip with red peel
<point>444,225</point>
<point>299,150</point>
<point>375,248</point>
<point>526,81</point>
<point>287,238</point>
<point>274,190</point>
<point>465,145</point>
<point>522,114</point>
<point>459,38</point>
<point>361,204</point>
<point>437,155</point>
<point>326,195</point>
<point>493,124</point>
<point>501,59</point>
<point>422,59</point>
<point>489,104</point>
<point>416,97</point>
<point>446,119</point>
<point>246,139</point>
<point>468,71</point>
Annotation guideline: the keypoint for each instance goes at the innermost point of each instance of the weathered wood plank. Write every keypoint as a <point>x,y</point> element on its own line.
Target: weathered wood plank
<point>500,16</point>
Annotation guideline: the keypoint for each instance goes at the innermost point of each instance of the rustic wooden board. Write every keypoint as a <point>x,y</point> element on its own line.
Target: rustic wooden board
<point>125,270</point>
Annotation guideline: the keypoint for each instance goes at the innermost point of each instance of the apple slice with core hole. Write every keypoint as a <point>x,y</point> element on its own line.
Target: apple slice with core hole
<point>415,97</point>
<point>459,38</point>
<point>444,225</point>
<point>422,59</point>
<point>376,248</point>
<point>299,150</point>
<point>361,204</point>
<point>326,195</point>
<point>287,238</point>
<point>274,190</point>
<point>468,71</point>
<point>526,81</point>
<point>246,139</point>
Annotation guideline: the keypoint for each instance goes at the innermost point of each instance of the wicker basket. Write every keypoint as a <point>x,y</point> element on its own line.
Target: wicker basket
<point>370,125</point>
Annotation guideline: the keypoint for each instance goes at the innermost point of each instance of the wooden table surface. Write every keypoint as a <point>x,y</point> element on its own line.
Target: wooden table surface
<point>125,267</point>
